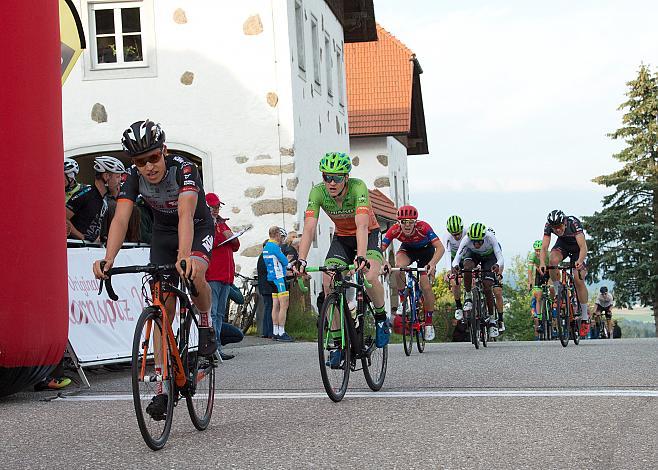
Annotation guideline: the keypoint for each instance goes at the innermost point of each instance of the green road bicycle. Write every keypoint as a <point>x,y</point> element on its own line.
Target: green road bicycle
<point>347,338</point>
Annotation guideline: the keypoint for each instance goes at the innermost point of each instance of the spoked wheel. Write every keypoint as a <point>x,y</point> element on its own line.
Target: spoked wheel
<point>420,334</point>
<point>333,349</point>
<point>200,393</point>
<point>248,311</point>
<point>475,320</point>
<point>575,325</point>
<point>374,360</point>
<point>563,326</point>
<point>152,392</point>
<point>407,327</point>
<point>484,333</point>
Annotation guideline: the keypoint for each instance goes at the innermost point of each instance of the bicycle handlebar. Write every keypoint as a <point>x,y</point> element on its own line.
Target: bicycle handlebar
<point>328,269</point>
<point>147,269</point>
<point>566,267</point>
<point>409,269</point>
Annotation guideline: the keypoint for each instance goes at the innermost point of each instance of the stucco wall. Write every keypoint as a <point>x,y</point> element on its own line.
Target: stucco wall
<point>225,89</point>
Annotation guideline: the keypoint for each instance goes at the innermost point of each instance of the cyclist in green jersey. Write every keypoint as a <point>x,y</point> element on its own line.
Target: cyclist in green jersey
<point>345,200</point>
<point>535,280</point>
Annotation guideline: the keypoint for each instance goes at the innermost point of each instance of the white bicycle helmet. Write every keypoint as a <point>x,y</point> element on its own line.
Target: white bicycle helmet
<point>283,232</point>
<point>71,167</point>
<point>105,164</point>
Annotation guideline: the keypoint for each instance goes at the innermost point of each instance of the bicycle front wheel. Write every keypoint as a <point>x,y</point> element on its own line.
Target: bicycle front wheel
<point>420,334</point>
<point>149,382</point>
<point>200,393</point>
<point>563,325</point>
<point>373,359</point>
<point>475,320</point>
<point>333,348</point>
<point>407,327</point>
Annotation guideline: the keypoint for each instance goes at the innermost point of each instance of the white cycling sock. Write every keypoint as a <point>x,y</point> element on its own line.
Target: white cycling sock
<point>282,330</point>
<point>276,330</point>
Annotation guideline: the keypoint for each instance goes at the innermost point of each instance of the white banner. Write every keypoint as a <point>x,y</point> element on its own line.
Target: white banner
<point>101,329</point>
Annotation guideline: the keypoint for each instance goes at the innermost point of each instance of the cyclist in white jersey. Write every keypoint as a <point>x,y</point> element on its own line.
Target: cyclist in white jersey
<point>481,247</point>
<point>452,239</point>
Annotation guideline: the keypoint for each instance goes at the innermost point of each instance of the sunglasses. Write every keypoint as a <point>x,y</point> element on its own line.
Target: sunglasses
<point>333,178</point>
<point>407,221</point>
<point>142,161</point>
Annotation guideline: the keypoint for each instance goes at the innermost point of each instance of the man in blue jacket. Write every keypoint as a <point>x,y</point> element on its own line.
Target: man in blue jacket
<point>277,263</point>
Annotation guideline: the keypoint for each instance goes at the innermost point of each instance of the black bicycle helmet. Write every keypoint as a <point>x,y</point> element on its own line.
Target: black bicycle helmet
<point>555,217</point>
<point>141,137</point>
<point>603,290</point>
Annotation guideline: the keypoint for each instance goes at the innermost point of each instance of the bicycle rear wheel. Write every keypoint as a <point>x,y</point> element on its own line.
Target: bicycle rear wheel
<point>407,327</point>
<point>200,393</point>
<point>373,359</point>
<point>333,349</point>
<point>563,325</point>
<point>148,379</point>
<point>420,334</point>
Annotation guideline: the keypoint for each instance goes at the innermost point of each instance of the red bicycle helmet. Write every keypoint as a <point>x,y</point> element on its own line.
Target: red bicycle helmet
<point>407,212</point>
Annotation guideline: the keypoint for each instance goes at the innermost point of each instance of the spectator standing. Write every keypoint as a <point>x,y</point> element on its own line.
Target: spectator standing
<point>71,186</point>
<point>221,272</point>
<point>86,208</point>
<point>277,263</point>
<point>266,289</point>
<point>616,330</point>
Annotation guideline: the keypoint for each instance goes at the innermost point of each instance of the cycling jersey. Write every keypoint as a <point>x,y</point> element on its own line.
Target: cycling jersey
<point>356,201</point>
<point>88,207</point>
<point>68,194</point>
<point>489,247</point>
<point>421,236</point>
<point>604,300</point>
<point>276,263</point>
<point>452,244</point>
<point>573,227</point>
<point>181,176</point>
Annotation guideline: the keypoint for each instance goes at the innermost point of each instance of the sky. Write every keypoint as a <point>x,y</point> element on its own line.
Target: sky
<point>518,98</point>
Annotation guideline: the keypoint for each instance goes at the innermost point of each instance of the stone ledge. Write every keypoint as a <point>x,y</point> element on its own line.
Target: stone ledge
<point>271,169</point>
<point>275,206</point>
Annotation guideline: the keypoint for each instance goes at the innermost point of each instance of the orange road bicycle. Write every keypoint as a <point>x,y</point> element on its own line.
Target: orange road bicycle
<point>568,320</point>
<point>164,362</point>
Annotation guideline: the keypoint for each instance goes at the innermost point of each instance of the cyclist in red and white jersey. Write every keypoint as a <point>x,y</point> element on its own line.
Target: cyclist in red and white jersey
<point>420,245</point>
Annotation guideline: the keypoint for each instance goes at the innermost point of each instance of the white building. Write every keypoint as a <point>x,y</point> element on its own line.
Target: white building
<point>253,91</point>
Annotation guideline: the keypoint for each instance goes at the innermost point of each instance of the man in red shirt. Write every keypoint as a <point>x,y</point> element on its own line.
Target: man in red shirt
<point>221,270</point>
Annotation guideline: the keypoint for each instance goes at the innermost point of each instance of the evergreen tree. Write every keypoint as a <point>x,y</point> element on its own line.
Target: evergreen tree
<point>624,245</point>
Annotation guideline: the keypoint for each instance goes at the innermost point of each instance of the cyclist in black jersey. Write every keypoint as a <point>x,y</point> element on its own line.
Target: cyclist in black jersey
<point>182,225</point>
<point>570,243</point>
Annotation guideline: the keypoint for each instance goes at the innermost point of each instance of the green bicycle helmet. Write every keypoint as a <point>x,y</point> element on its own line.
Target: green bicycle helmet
<point>455,224</point>
<point>336,163</point>
<point>476,231</point>
<point>536,245</point>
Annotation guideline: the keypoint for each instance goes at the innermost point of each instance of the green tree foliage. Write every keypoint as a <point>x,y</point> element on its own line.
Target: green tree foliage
<point>624,244</point>
<point>519,325</point>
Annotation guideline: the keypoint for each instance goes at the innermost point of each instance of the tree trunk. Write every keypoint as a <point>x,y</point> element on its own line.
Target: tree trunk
<point>654,256</point>
<point>655,315</point>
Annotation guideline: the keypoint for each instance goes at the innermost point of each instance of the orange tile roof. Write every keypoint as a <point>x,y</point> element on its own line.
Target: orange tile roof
<point>382,205</point>
<point>379,85</point>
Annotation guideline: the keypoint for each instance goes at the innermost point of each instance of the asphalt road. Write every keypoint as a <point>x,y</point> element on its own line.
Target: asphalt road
<point>514,405</point>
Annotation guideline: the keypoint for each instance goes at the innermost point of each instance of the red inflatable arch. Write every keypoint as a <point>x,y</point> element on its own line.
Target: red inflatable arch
<point>33,289</point>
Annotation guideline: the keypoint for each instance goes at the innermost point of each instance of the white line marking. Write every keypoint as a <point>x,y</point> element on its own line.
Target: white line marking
<point>409,394</point>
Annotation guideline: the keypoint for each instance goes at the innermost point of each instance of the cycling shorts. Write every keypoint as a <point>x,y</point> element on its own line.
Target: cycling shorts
<point>421,256</point>
<point>164,244</point>
<point>343,249</point>
<point>485,262</point>
<point>607,310</point>
<point>568,249</point>
<point>280,285</point>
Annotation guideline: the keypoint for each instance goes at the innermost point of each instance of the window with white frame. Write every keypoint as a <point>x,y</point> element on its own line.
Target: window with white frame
<point>328,59</point>
<point>299,29</point>
<point>117,37</point>
<point>339,69</point>
<point>315,44</point>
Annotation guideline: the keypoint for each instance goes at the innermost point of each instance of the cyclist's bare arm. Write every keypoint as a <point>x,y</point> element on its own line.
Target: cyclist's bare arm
<point>362,221</point>
<point>582,244</point>
<point>545,242</point>
<point>310,224</point>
